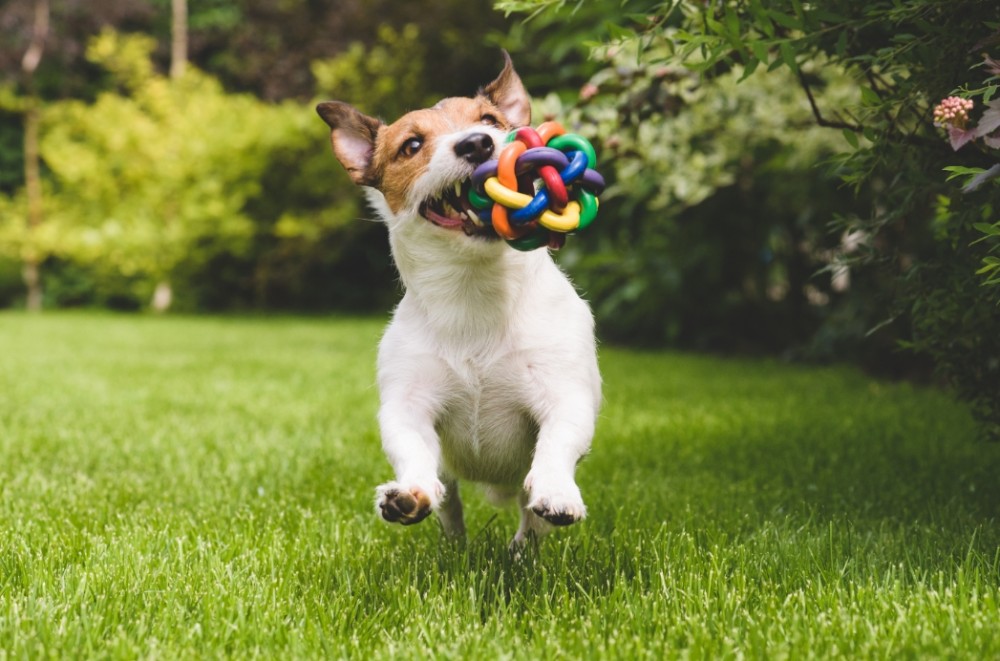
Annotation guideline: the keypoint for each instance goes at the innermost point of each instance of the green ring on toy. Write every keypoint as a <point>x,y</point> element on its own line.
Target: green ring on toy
<point>588,209</point>
<point>478,201</point>
<point>532,241</point>
<point>571,142</point>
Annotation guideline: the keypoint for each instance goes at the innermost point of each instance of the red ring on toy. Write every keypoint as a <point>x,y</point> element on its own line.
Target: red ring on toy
<point>530,138</point>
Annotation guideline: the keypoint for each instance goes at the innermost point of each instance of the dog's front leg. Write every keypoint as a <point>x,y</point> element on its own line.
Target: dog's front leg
<point>413,387</point>
<point>566,411</point>
<point>563,439</point>
<point>410,442</point>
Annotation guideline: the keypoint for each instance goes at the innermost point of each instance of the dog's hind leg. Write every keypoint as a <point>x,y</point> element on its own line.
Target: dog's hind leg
<point>532,527</point>
<point>450,511</point>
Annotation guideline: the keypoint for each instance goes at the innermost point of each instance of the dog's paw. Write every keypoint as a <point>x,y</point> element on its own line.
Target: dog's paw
<point>406,505</point>
<point>560,505</point>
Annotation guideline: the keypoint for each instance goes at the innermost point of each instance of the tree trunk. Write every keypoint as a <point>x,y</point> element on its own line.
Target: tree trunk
<point>32,169</point>
<point>163,295</point>
<point>178,38</point>
<point>33,283</point>
<point>33,191</point>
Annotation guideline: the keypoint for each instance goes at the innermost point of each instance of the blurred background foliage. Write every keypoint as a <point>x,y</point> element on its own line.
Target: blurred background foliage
<point>777,183</point>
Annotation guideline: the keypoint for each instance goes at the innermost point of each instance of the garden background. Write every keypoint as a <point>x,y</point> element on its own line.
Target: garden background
<point>794,273</point>
<point>778,180</point>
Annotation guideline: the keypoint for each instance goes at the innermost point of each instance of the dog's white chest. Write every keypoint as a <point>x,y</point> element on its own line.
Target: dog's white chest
<point>486,432</point>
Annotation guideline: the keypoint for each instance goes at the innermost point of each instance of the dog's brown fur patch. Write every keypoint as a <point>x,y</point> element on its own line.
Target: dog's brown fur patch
<point>394,170</point>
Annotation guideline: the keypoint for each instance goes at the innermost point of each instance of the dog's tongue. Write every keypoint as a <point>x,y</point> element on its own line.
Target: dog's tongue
<point>444,221</point>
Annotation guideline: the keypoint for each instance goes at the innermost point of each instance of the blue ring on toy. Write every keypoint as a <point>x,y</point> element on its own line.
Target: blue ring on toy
<point>577,166</point>
<point>530,211</point>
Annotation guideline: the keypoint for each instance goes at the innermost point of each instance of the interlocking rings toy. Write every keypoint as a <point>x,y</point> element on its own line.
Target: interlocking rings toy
<point>529,216</point>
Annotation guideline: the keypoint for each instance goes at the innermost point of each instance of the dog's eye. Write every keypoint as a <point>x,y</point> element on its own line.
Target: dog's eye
<point>411,146</point>
<point>489,119</point>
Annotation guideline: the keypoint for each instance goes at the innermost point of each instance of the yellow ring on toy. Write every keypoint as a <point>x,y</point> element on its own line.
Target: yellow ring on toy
<point>567,221</point>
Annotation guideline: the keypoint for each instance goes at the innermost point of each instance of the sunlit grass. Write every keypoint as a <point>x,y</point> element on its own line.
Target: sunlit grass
<point>202,487</point>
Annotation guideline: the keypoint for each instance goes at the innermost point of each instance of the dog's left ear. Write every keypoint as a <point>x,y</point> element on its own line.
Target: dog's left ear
<point>352,135</point>
<point>508,94</point>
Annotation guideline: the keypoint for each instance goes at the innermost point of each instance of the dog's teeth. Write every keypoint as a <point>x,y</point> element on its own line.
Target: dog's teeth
<point>473,217</point>
<point>458,188</point>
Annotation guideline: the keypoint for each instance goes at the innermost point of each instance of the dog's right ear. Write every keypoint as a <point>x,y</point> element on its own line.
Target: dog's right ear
<point>508,94</point>
<point>352,135</point>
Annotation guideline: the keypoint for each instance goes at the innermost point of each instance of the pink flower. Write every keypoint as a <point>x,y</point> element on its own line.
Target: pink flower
<point>953,112</point>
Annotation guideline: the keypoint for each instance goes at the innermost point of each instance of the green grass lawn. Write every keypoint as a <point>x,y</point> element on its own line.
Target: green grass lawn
<point>191,488</point>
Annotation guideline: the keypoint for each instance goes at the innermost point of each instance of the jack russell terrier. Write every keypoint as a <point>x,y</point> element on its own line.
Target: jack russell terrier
<point>488,370</point>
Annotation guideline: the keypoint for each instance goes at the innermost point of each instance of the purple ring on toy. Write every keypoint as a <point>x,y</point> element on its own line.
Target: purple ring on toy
<point>591,179</point>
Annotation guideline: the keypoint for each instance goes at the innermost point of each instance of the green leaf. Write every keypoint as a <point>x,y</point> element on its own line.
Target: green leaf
<point>760,50</point>
<point>750,67</point>
<point>851,137</point>
<point>961,171</point>
<point>788,56</point>
<point>841,46</point>
<point>761,19</point>
<point>715,26</point>
<point>784,20</point>
<point>870,97</point>
<point>988,229</point>
<point>733,26</point>
<point>990,264</point>
<point>618,32</point>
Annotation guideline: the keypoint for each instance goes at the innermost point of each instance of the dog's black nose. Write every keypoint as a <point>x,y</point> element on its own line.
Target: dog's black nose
<point>476,148</point>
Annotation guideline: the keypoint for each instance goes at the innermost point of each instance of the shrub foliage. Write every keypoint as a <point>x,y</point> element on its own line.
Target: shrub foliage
<point>916,256</point>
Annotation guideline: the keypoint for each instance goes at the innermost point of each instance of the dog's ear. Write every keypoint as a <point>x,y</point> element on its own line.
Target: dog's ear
<point>353,137</point>
<point>508,94</point>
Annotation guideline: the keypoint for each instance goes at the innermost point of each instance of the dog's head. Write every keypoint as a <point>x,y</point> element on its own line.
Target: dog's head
<point>417,169</point>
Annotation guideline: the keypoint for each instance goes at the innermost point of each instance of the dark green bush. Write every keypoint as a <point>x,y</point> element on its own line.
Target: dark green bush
<point>912,241</point>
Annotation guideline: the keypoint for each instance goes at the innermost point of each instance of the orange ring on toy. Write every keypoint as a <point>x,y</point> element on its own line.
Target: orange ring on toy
<point>548,130</point>
<point>505,164</point>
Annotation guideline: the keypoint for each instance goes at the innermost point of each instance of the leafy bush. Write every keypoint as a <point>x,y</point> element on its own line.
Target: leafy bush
<point>714,228</point>
<point>231,199</point>
<point>913,249</point>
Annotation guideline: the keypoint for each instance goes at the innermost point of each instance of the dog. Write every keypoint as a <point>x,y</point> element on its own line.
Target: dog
<point>488,370</point>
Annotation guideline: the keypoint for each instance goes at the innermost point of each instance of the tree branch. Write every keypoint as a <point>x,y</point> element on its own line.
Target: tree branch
<point>822,121</point>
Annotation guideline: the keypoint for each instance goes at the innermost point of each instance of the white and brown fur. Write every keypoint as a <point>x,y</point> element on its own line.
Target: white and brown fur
<point>488,370</point>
